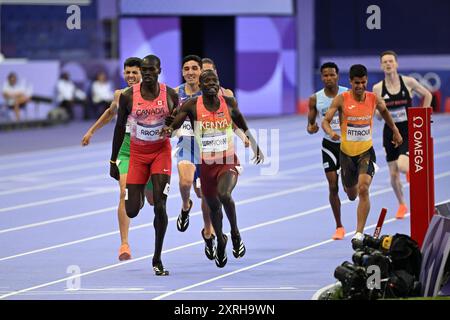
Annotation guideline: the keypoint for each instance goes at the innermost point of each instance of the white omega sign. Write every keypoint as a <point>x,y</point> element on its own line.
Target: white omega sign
<point>418,144</point>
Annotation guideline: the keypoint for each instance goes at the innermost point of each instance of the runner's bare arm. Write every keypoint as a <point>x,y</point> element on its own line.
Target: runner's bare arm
<point>241,135</point>
<point>239,120</point>
<point>420,89</point>
<point>186,109</point>
<point>381,107</point>
<point>104,119</point>
<point>237,131</point>
<point>125,105</point>
<point>312,114</point>
<point>377,90</point>
<point>336,105</point>
<point>173,103</point>
<point>228,93</point>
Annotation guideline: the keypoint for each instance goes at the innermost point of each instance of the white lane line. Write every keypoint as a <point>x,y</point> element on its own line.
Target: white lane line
<point>127,291</point>
<point>55,184</point>
<point>96,177</point>
<point>104,147</point>
<point>39,162</point>
<point>13,293</point>
<point>238,203</point>
<point>71,217</point>
<point>243,181</point>
<point>250,200</point>
<point>53,200</point>
<point>64,169</point>
<point>90,178</point>
<point>163,296</point>
<point>59,199</point>
<point>51,151</point>
<point>67,218</point>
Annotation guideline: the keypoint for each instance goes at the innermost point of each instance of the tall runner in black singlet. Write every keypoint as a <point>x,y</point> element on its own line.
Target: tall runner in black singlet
<point>396,90</point>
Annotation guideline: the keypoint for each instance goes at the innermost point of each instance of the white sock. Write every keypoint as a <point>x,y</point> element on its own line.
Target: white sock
<point>359,236</point>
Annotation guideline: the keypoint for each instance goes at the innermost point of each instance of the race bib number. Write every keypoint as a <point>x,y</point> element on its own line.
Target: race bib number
<point>335,124</point>
<point>216,143</point>
<point>185,129</point>
<point>149,133</point>
<point>399,115</point>
<point>359,133</point>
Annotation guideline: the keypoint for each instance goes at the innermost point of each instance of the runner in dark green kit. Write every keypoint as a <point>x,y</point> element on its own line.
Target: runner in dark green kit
<point>132,75</point>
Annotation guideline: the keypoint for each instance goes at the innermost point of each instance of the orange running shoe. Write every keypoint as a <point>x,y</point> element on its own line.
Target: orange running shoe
<point>339,234</point>
<point>402,209</point>
<point>124,252</point>
<point>407,176</point>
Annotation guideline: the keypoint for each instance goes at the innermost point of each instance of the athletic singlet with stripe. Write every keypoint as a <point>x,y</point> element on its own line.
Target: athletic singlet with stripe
<point>357,123</point>
<point>323,104</point>
<point>147,117</point>
<point>397,103</point>
<point>186,127</point>
<point>214,131</point>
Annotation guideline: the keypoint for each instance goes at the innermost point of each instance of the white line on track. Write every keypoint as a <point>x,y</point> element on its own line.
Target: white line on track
<point>66,218</point>
<point>13,293</point>
<point>246,201</point>
<point>59,199</point>
<point>241,183</point>
<point>163,296</point>
<point>89,213</point>
<point>54,184</point>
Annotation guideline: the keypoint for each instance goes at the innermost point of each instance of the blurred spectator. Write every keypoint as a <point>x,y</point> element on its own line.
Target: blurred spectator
<point>102,94</point>
<point>16,94</point>
<point>67,95</point>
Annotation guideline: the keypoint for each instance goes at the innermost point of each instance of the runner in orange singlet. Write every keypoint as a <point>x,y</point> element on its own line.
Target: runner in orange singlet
<point>356,110</point>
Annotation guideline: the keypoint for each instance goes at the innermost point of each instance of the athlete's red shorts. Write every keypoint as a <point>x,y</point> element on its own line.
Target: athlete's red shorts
<point>148,160</point>
<point>210,173</point>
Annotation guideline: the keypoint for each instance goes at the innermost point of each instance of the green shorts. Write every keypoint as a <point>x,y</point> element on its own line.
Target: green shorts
<point>123,159</point>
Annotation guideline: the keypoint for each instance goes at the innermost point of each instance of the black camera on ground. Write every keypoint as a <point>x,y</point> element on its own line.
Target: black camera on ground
<point>383,243</point>
<point>397,260</point>
<point>353,279</point>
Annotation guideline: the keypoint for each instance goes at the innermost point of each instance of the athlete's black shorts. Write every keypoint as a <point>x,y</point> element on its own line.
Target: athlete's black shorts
<point>352,167</point>
<point>393,153</point>
<point>330,155</point>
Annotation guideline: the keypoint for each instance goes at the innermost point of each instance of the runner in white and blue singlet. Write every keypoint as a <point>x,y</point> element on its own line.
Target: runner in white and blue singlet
<point>319,103</point>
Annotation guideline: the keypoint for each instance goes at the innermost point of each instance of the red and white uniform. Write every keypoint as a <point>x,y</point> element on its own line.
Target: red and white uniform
<point>214,135</point>
<point>149,153</point>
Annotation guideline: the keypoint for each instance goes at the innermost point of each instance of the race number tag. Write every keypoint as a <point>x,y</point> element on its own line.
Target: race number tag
<point>399,115</point>
<point>216,143</point>
<point>358,133</point>
<point>149,133</point>
<point>185,129</point>
<point>166,189</point>
<point>335,124</point>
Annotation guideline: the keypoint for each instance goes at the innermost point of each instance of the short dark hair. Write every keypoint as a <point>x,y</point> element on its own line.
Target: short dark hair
<point>385,53</point>
<point>132,62</point>
<point>192,57</point>
<point>329,65</point>
<point>358,70</point>
<point>210,61</point>
<point>152,57</point>
<point>206,72</point>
